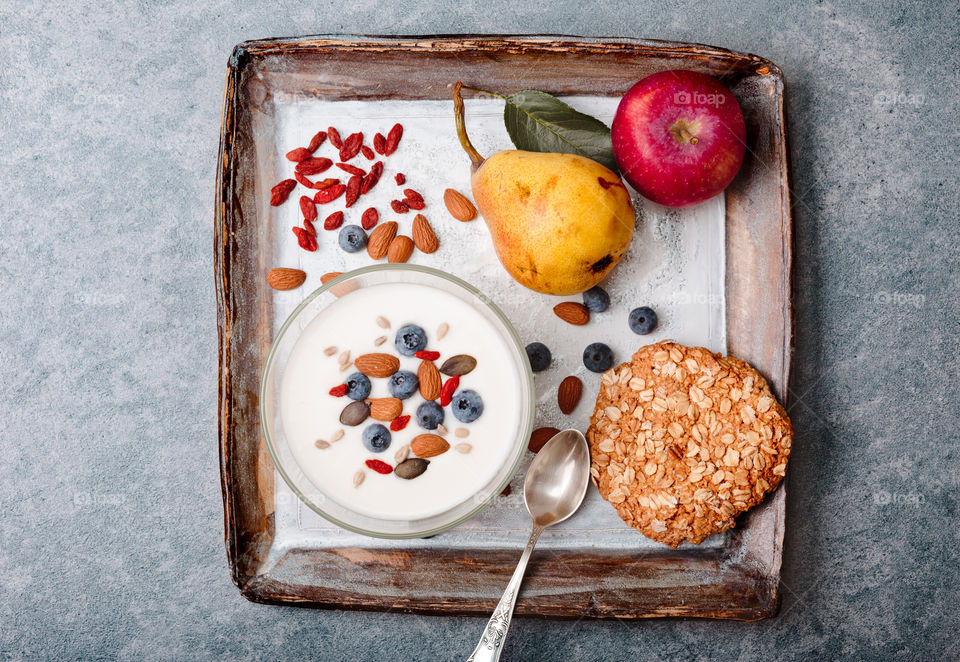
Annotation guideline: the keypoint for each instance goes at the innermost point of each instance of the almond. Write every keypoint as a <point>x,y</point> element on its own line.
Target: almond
<point>283,278</point>
<point>459,205</point>
<point>572,312</point>
<point>380,239</point>
<point>385,409</point>
<point>568,395</point>
<point>424,237</point>
<point>330,276</point>
<point>341,289</point>
<point>430,380</point>
<point>377,365</point>
<point>428,445</point>
<point>401,248</point>
<point>540,437</point>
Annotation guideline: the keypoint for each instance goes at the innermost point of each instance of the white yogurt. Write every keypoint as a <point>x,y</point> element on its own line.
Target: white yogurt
<point>309,413</point>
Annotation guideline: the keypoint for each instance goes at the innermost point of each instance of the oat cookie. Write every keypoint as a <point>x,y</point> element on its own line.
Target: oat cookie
<point>683,440</point>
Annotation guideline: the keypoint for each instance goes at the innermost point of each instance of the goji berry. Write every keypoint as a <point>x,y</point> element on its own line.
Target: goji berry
<point>379,143</point>
<point>367,153</point>
<point>446,393</point>
<point>314,165</point>
<point>334,137</point>
<point>351,146</point>
<point>339,391</point>
<point>303,180</point>
<point>369,219</point>
<point>413,199</point>
<point>353,170</point>
<point>400,179</point>
<point>379,466</point>
<point>427,355</point>
<point>308,226</point>
<point>329,194</point>
<point>317,140</point>
<point>279,193</point>
<point>393,139</point>
<point>353,190</point>
<point>299,154</point>
<point>399,422</point>
<point>333,221</point>
<point>325,183</point>
<point>372,177</point>
<point>399,206</point>
<point>305,239</point>
<point>308,208</point>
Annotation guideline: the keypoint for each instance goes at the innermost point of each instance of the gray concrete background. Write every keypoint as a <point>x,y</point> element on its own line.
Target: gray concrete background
<point>111,526</point>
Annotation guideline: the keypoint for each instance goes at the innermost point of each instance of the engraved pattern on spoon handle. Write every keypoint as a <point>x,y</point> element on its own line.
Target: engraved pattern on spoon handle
<point>495,632</point>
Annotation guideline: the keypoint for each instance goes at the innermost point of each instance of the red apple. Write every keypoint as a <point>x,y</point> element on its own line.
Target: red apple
<point>679,137</point>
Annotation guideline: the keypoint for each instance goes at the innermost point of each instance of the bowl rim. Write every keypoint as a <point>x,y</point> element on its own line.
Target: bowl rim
<point>527,388</point>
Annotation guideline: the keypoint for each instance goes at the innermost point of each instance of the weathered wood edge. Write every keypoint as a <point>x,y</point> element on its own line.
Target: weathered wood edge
<point>222,269</point>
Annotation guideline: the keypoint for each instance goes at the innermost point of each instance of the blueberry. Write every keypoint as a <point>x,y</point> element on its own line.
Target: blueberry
<point>597,357</point>
<point>429,415</point>
<point>643,320</point>
<point>596,299</point>
<point>410,339</point>
<point>376,438</point>
<point>466,405</point>
<point>403,384</point>
<point>352,238</point>
<point>539,356</point>
<point>358,386</point>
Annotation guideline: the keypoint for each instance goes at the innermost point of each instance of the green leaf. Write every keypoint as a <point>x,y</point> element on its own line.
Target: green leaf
<point>539,122</point>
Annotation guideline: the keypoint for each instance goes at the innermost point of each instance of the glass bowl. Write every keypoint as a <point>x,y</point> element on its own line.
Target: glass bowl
<point>270,410</point>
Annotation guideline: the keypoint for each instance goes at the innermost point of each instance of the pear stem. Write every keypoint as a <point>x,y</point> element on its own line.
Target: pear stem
<point>475,159</point>
<point>487,92</point>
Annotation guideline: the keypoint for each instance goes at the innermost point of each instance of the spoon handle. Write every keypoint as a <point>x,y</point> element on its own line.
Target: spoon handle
<point>491,643</point>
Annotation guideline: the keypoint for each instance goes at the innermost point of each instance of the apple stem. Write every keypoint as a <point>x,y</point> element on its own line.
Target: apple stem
<point>689,137</point>
<point>458,114</point>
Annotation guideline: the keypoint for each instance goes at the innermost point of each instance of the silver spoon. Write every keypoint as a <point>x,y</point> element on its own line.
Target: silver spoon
<point>554,488</point>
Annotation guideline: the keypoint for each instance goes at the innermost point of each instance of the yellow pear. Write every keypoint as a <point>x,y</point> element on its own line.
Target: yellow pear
<point>559,222</point>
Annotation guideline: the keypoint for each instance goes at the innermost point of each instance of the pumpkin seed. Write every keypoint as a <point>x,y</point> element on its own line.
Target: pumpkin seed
<point>355,413</point>
<point>411,468</point>
<point>461,364</point>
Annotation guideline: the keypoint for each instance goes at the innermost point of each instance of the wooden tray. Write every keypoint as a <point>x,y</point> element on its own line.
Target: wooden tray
<point>736,581</point>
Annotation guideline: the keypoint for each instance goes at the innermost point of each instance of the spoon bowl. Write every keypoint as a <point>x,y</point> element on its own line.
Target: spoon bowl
<point>557,479</point>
